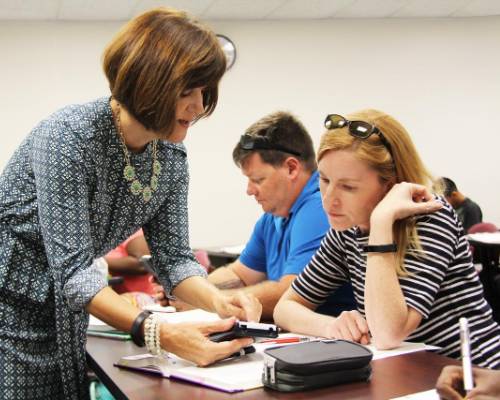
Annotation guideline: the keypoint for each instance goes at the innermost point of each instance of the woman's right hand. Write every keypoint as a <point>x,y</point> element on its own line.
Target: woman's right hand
<point>349,325</point>
<point>190,341</point>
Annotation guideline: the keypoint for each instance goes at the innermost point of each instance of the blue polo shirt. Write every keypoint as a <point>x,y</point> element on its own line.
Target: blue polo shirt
<point>282,246</point>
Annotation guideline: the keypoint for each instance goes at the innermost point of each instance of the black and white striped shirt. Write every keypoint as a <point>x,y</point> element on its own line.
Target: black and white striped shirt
<point>442,284</point>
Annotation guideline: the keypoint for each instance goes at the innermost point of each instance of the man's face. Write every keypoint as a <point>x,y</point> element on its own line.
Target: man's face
<point>271,186</point>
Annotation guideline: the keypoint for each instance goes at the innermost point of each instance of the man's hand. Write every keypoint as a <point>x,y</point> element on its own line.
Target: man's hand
<point>190,341</point>
<point>240,305</point>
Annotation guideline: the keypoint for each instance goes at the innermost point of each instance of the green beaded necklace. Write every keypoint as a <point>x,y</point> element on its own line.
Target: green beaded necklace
<point>136,187</point>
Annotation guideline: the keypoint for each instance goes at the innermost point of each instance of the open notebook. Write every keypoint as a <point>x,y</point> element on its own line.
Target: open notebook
<point>232,375</point>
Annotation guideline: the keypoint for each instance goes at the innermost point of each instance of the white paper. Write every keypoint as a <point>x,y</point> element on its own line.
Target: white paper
<point>196,315</point>
<point>404,348</point>
<point>486,237</point>
<point>159,308</point>
<point>93,321</point>
<point>233,249</point>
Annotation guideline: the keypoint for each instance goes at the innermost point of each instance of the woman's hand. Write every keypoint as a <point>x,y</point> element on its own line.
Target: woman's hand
<point>190,341</point>
<point>244,306</point>
<point>349,325</point>
<point>404,200</point>
<point>486,384</point>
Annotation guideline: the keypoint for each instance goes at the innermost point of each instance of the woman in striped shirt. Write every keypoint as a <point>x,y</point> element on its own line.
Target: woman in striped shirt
<point>402,248</point>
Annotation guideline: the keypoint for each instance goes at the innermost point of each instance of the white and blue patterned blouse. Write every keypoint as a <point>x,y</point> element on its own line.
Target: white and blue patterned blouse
<point>64,202</point>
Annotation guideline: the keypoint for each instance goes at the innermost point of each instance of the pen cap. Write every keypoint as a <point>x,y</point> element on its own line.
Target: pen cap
<point>464,337</point>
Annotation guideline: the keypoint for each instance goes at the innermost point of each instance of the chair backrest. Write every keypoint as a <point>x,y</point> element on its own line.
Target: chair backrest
<point>483,227</point>
<point>203,259</point>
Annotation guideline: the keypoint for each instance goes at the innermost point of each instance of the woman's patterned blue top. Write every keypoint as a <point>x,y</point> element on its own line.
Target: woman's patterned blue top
<point>64,202</point>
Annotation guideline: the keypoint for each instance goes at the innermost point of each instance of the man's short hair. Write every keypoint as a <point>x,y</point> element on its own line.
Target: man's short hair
<point>284,131</point>
<point>448,186</point>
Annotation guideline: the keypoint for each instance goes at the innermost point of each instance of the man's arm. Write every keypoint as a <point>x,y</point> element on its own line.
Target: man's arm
<point>254,282</point>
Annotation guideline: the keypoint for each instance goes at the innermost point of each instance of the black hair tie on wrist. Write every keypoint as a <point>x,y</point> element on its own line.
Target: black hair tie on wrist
<point>135,331</point>
<point>381,248</point>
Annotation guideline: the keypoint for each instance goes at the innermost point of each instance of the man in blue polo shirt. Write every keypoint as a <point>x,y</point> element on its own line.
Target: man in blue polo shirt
<point>276,154</point>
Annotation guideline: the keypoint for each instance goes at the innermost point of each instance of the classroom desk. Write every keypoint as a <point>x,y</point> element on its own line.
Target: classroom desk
<point>489,254</point>
<point>219,257</point>
<point>392,377</point>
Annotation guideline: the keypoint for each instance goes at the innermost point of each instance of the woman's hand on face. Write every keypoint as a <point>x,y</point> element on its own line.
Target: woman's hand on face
<point>243,306</point>
<point>349,325</point>
<point>404,200</point>
<point>190,341</point>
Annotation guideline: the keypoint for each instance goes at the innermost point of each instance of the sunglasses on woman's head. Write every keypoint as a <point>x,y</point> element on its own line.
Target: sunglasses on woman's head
<point>358,129</point>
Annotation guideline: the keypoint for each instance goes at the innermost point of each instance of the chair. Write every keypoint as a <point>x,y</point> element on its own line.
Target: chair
<point>488,256</point>
<point>203,259</point>
<point>483,227</point>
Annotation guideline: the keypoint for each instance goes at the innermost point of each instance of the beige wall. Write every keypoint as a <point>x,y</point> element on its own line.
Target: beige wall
<point>439,77</point>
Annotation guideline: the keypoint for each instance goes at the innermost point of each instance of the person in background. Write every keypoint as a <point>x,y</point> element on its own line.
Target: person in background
<point>84,180</point>
<point>467,210</point>
<point>403,249</point>
<point>276,155</point>
<point>125,261</point>
<point>486,384</point>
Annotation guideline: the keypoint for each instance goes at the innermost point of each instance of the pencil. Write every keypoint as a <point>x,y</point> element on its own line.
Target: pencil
<point>294,339</point>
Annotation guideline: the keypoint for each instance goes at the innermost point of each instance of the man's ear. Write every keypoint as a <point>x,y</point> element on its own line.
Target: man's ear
<point>293,167</point>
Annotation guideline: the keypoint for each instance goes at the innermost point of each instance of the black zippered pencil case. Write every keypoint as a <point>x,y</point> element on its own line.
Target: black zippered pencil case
<point>315,364</point>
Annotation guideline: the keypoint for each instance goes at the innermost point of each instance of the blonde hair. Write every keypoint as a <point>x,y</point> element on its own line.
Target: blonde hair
<point>404,165</point>
<point>155,58</point>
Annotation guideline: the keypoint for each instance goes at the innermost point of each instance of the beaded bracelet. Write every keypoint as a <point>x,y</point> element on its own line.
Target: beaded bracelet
<point>152,328</point>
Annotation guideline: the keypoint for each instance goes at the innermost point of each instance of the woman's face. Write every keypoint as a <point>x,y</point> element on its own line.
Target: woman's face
<point>189,106</point>
<point>350,190</point>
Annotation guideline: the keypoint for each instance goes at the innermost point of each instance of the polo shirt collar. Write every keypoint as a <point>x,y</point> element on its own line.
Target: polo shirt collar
<point>312,186</point>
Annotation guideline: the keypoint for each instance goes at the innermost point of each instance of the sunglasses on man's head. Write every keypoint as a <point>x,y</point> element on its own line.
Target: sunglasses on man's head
<point>250,142</point>
<point>358,129</point>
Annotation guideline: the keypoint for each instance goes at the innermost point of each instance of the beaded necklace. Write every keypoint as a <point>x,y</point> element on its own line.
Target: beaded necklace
<point>136,187</point>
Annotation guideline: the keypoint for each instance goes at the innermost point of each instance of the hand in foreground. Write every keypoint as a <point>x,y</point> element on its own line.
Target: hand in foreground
<point>486,384</point>
<point>406,199</point>
<point>349,325</point>
<point>190,341</point>
<point>243,306</point>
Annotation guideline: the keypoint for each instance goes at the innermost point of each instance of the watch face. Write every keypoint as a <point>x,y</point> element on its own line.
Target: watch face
<point>229,50</point>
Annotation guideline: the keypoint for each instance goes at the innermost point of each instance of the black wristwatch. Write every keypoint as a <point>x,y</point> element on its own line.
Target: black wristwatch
<point>381,248</point>
<point>135,331</point>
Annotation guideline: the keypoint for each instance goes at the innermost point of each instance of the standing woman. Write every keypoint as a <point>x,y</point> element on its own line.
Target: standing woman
<point>85,179</point>
<point>403,249</point>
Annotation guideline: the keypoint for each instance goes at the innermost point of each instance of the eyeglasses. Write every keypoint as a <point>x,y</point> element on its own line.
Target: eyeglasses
<point>251,142</point>
<point>358,129</point>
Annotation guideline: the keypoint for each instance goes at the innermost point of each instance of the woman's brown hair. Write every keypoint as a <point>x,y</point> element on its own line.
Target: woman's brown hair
<point>155,58</point>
